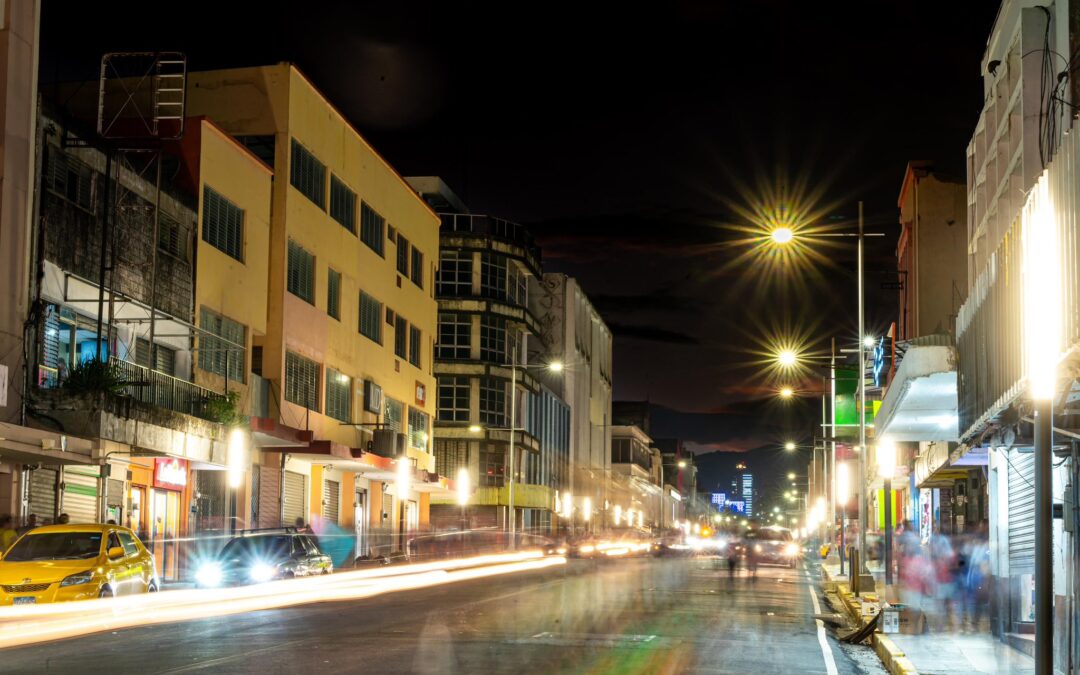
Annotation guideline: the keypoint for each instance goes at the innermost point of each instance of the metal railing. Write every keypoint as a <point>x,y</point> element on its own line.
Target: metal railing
<point>491,226</point>
<point>165,391</point>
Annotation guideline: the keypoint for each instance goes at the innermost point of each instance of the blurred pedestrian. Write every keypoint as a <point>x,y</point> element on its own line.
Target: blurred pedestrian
<point>31,523</point>
<point>943,557</point>
<point>302,527</point>
<point>976,579</point>
<point>7,533</point>
<point>64,519</point>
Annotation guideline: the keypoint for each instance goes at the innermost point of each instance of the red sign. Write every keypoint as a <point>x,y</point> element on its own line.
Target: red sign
<point>170,473</point>
<point>421,393</point>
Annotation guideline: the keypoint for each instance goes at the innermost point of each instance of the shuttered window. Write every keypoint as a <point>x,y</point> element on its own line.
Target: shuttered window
<point>415,337</point>
<point>370,317</point>
<point>218,355</point>
<point>372,228</point>
<point>295,487</point>
<point>331,500</point>
<point>223,224</point>
<point>164,357</point>
<point>418,428</point>
<point>308,175</point>
<point>301,273</point>
<point>342,204</point>
<point>1021,512</point>
<point>301,381</point>
<point>402,255</point>
<point>393,414</point>
<point>401,336</point>
<point>333,293</point>
<point>338,395</point>
<point>417,275</point>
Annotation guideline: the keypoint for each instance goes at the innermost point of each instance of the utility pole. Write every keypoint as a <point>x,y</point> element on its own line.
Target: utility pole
<point>862,403</point>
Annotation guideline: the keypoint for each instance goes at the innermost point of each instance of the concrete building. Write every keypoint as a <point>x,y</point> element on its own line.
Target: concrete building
<point>485,322</point>
<point>636,492</point>
<point>571,331</point>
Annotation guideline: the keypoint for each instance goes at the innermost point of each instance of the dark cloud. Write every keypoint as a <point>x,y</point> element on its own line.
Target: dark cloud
<point>651,334</point>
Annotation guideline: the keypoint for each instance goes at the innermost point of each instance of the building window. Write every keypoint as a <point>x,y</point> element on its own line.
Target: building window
<point>450,455</point>
<point>342,204</point>
<point>301,381</point>
<point>338,395</point>
<point>454,278</point>
<point>223,224</point>
<point>417,267</point>
<point>370,317</point>
<point>517,284</point>
<point>415,336</point>
<point>393,414</point>
<point>493,276</point>
<point>308,175</point>
<point>455,337</point>
<point>492,401</point>
<point>492,463</point>
<point>492,339</point>
<point>70,179</point>
<point>401,337</point>
<point>390,316</point>
<point>372,226</point>
<point>402,255</point>
<point>301,273</point>
<point>418,428</point>
<point>453,399</point>
<point>333,294</point>
<point>173,238</point>
<point>164,357</point>
<point>221,353</point>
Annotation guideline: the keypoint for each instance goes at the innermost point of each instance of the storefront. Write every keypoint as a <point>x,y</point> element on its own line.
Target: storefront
<point>158,502</point>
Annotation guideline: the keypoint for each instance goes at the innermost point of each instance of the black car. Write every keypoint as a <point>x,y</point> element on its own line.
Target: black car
<point>258,556</point>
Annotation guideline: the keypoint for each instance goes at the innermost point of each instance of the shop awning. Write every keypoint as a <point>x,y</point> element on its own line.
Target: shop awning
<point>920,404</point>
<point>24,445</point>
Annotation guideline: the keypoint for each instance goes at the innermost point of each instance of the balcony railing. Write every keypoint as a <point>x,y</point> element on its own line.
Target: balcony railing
<point>467,223</point>
<point>163,391</point>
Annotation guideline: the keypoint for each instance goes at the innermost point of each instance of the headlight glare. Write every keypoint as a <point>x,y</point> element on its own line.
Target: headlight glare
<point>209,575</point>
<point>261,572</point>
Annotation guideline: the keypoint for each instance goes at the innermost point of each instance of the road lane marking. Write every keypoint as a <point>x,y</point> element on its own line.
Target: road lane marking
<point>826,650</point>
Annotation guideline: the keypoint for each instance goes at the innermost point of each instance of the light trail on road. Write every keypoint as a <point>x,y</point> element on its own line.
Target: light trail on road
<point>31,625</point>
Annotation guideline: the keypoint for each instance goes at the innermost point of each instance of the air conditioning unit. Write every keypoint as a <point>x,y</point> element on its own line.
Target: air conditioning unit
<point>383,443</point>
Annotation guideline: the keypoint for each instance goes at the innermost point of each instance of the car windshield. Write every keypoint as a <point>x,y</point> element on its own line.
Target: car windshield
<point>772,535</point>
<point>56,546</point>
<point>266,546</point>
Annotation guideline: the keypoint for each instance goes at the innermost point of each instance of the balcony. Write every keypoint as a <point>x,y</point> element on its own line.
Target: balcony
<point>490,227</point>
<point>164,391</point>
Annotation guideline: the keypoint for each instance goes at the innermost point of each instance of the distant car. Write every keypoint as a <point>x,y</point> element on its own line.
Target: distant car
<point>258,556</point>
<point>773,546</point>
<point>57,563</point>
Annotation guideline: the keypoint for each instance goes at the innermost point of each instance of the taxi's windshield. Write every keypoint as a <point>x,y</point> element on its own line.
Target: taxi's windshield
<point>55,546</point>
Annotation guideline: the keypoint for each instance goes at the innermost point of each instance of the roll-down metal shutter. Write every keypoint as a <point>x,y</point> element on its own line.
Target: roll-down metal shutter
<point>294,497</point>
<point>43,494</point>
<point>80,495</point>
<point>269,499</point>
<point>1021,512</point>
<point>331,500</point>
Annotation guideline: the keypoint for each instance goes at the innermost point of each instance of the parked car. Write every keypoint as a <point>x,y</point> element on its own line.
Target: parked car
<point>257,556</point>
<point>58,563</point>
<point>773,545</point>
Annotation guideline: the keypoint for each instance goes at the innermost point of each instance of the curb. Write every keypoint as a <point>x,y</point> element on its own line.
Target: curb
<point>892,657</point>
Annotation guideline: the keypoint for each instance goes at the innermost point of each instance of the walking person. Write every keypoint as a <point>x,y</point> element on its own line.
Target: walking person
<point>7,533</point>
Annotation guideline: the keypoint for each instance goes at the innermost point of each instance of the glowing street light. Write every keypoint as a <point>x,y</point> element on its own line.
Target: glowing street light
<point>786,392</point>
<point>236,457</point>
<point>586,509</point>
<point>869,341</point>
<point>787,358</point>
<point>475,428</point>
<point>789,446</point>
<point>782,235</point>
<point>682,463</point>
<point>555,366</point>
<point>791,475</point>
<point>463,488</point>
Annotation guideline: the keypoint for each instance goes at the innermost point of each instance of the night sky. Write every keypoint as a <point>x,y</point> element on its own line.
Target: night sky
<point>640,146</point>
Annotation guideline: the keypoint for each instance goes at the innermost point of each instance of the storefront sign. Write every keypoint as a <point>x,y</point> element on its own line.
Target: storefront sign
<point>421,393</point>
<point>372,397</point>
<point>881,360</point>
<point>170,473</point>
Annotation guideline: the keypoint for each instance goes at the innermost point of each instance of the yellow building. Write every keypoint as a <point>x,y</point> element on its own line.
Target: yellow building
<point>350,315</point>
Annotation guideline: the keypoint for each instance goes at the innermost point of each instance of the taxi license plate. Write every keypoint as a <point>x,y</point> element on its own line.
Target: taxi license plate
<point>24,601</point>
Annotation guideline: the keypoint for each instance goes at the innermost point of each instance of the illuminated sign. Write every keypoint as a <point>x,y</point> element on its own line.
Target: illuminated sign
<point>170,473</point>
<point>719,498</point>
<point>421,393</point>
<point>881,358</point>
<point>738,506</point>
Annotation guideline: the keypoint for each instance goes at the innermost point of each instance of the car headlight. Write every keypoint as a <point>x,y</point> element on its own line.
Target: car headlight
<point>261,572</point>
<point>78,579</point>
<point>791,550</point>
<point>757,548</point>
<point>587,548</point>
<point>209,575</point>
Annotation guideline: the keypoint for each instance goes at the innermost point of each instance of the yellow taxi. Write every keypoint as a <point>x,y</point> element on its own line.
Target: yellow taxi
<point>57,563</point>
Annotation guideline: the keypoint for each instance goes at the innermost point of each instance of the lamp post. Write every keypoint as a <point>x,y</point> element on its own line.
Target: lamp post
<point>886,461</point>
<point>843,487</point>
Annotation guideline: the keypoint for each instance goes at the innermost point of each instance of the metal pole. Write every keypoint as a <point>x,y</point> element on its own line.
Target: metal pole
<point>1044,556</point>
<point>843,543</point>
<point>832,443</point>
<point>888,533</point>
<point>103,258</point>
<point>153,275</point>
<point>862,403</point>
<point>513,427</point>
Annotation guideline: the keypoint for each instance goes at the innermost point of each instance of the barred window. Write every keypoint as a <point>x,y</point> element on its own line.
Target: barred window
<point>492,339</point>
<point>301,273</point>
<point>173,238</point>
<point>455,337</point>
<point>455,274</point>
<point>372,227</point>
<point>402,255</point>
<point>223,224</point>
<point>70,178</point>
<point>301,381</point>
<point>370,317</point>
<point>333,294</point>
<point>415,345</point>
<point>418,428</point>
<point>342,204</point>
<point>453,399</point>
<point>219,355</point>
<point>401,337</point>
<point>417,267</point>
<point>492,401</point>
<point>308,175</point>
<point>338,395</point>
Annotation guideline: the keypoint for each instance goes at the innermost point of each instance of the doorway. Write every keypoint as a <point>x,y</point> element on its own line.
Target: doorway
<point>164,525</point>
<point>360,519</point>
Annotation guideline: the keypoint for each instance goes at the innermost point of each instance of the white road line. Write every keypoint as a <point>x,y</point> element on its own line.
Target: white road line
<point>826,650</point>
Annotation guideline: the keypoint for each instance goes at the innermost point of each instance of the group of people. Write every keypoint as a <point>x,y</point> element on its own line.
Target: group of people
<point>9,532</point>
<point>947,577</point>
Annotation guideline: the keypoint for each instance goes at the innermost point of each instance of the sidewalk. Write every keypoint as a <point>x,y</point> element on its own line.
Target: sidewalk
<point>950,652</point>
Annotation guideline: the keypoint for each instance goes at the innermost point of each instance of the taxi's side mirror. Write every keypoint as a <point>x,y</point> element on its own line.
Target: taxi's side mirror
<point>116,552</point>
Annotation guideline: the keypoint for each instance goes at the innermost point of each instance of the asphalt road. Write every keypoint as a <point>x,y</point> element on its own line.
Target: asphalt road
<point>607,616</point>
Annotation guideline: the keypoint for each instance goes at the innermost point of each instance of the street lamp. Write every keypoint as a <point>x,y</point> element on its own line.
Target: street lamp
<point>886,461</point>
<point>791,475</point>
<point>787,358</point>
<point>843,487</point>
<point>789,446</point>
<point>682,463</point>
<point>786,392</point>
<point>782,235</point>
